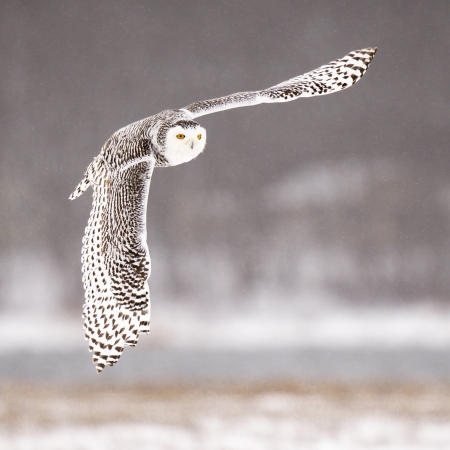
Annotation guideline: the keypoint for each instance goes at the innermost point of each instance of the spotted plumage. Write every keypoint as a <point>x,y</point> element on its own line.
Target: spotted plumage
<point>115,257</point>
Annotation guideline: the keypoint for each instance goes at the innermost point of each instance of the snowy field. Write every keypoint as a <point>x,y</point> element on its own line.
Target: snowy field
<point>275,417</point>
<point>270,377</point>
<point>257,325</point>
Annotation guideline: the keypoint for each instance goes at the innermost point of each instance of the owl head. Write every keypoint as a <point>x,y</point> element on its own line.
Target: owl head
<point>184,140</point>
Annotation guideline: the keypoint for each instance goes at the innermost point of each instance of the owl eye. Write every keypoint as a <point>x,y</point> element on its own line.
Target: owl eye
<point>199,136</point>
<point>180,136</point>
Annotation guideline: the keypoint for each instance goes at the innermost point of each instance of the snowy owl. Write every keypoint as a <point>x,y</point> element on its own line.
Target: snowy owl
<point>115,257</point>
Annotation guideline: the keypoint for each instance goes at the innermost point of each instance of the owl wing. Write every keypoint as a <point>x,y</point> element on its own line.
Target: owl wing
<point>332,77</point>
<point>115,259</point>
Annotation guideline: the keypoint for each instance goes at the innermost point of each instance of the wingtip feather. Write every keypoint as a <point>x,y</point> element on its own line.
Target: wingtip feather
<point>371,50</point>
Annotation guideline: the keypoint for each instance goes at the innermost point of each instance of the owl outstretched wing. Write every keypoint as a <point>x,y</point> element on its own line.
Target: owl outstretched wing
<point>115,258</point>
<point>332,77</point>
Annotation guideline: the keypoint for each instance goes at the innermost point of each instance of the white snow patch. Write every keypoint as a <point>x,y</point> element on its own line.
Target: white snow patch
<point>261,323</point>
<point>245,432</point>
<point>272,327</point>
<point>34,332</point>
<point>254,326</point>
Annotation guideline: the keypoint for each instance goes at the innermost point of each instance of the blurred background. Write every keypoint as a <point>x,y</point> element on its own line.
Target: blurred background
<point>300,280</point>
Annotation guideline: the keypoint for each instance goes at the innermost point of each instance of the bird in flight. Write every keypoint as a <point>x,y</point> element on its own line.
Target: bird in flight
<point>115,256</point>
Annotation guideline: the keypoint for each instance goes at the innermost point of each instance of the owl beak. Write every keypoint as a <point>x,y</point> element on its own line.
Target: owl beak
<point>191,143</point>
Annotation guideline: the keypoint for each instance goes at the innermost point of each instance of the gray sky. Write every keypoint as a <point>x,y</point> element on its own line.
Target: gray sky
<point>74,72</point>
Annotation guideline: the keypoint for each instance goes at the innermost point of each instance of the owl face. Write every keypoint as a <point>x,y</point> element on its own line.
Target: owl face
<point>184,141</point>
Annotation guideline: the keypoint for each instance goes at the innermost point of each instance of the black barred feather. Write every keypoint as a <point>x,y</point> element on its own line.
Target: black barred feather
<point>332,77</point>
<point>115,260</point>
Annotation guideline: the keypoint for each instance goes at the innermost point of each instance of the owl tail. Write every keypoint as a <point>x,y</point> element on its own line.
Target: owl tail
<point>85,182</point>
<point>109,327</point>
<point>81,187</point>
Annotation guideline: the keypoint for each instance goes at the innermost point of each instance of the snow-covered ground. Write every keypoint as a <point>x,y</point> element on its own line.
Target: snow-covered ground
<point>275,418</point>
<point>362,378</point>
<point>246,433</point>
<point>255,326</point>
